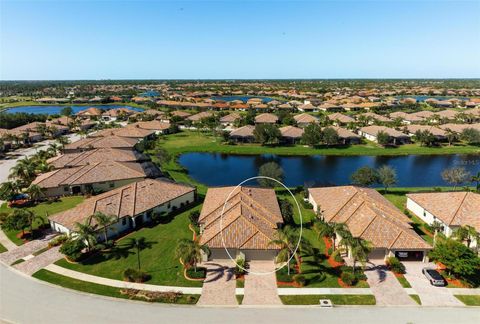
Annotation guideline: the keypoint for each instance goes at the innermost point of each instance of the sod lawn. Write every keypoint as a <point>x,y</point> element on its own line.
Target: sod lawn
<point>469,300</point>
<point>2,248</point>
<point>158,260</point>
<point>336,299</point>
<point>196,141</point>
<point>43,210</point>
<point>94,288</point>
<point>416,298</point>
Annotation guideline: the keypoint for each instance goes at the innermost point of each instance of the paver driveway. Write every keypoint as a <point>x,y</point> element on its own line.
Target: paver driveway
<point>219,285</point>
<point>261,288</point>
<point>429,295</point>
<point>385,287</point>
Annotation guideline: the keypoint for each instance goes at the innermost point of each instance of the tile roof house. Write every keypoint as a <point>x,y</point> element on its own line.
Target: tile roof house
<point>248,224</point>
<point>372,217</point>
<point>100,176</point>
<point>201,115</point>
<point>437,132</point>
<point>158,127</point>
<point>131,205</point>
<point>291,134</point>
<point>114,114</point>
<point>304,119</point>
<point>230,119</point>
<point>451,209</point>
<point>396,137</point>
<point>101,142</point>
<point>407,118</point>
<point>266,118</point>
<point>180,114</point>
<point>375,117</point>
<point>90,112</point>
<point>340,119</point>
<point>346,136</point>
<point>243,134</point>
<point>94,156</point>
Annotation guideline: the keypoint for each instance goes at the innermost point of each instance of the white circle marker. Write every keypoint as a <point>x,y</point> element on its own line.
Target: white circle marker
<point>221,226</point>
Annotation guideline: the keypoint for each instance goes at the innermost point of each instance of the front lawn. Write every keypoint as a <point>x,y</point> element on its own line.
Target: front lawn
<point>158,260</point>
<point>43,210</point>
<point>336,299</point>
<point>469,300</point>
<point>3,249</point>
<point>416,298</point>
<point>94,288</point>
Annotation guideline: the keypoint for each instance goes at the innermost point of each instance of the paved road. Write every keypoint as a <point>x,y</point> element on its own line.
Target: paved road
<point>23,300</point>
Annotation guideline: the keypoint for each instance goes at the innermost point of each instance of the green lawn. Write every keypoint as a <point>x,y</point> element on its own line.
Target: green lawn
<point>193,141</point>
<point>469,300</point>
<point>416,298</point>
<point>3,249</point>
<point>336,299</point>
<point>93,288</point>
<point>35,103</point>
<point>404,282</point>
<point>158,261</point>
<point>43,210</point>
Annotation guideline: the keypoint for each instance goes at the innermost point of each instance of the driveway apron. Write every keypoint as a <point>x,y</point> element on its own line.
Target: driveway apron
<point>219,285</point>
<point>261,284</point>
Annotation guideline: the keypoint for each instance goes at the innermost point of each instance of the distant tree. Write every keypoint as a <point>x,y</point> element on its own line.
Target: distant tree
<point>471,136</point>
<point>271,170</point>
<point>386,176</point>
<point>467,234</point>
<point>16,221</point>
<point>457,258</point>
<point>455,176</point>
<point>330,136</point>
<point>267,134</point>
<point>476,179</point>
<point>287,211</point>
<point>425,137</point>
<point>8,190</point>
<point>312,135</point>
<point>451,136</point>
<point>34,192</point>
<point>383,138</point>
<point>364,176</point>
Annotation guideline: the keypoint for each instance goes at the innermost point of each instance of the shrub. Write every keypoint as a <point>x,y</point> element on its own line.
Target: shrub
<point>338,258</point>
<point>348,278</point>
<point>307,205</point>
<point>134,275</point>
<point>193,216</point>
<point>395,265</point>
<point>58,240</point>
<point>72,249</point>
<point>240,263</point>
<point>199,274</point>
<point>300,280</point>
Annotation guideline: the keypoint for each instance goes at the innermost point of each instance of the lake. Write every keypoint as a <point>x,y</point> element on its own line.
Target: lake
<point>215,169</point>
<point>423,98</point>
<point>55,109</point>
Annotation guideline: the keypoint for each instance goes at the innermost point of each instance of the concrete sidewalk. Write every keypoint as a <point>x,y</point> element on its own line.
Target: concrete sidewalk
<point>5,241</point>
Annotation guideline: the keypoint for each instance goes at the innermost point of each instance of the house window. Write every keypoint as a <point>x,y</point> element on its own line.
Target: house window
<point>168,206</point>
<point>424,213</point>
<point>65,188</point>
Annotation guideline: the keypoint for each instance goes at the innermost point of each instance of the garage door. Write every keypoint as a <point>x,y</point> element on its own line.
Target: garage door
<point>221,254</point>
<point>377,254</point>
<point>259,254</point>
<point>409,255</point>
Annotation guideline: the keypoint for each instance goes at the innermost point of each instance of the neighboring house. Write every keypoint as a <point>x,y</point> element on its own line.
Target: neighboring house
<point>114,114</point>
<point>303,120</point>
<point>372,217</point>
<point>291,134</point>
<point>439,133</point>
<point>307,107</point>
<point>450,209</point>
<point>229,119</point>
<point>89,143</point>
<point>247,226</point>
<point>198,117</point>
<point>131,206</point>
<point>339,119</point>
<point>406,118</point>
<point>459,127</point>
<point>243,134</point>
<point>180,114</point>
<point>396,137</point>
<point>100,176</point>
<point>94,156</point>
<point>374,117</point>
<point>158,127</point>
<point>266,118</point>
<point>89,113</point>
<point>347,137</point>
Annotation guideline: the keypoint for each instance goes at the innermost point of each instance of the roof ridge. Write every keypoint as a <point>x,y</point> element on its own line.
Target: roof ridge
<point>135,184</point>
<point>77,175</point>
<point>458,209</point>
<point>343,206</point>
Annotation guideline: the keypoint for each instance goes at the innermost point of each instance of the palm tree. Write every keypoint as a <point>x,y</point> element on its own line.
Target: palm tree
<point>104,221</point>
<point>8,190</point>
<point>86,232</point>
<point>467,234</point>
<point>287,239</point>
<point>139,243</point>
<point>329,230</point>
<point>476,179</point>
<point>359,250</point>
<point>52,149</point>
<point>34,192</point>
<point>29,215</point>
<point>63,140</point>
<point>436,226</point>
<point>43,166</point>
<point>24,171</point>
<point>189,252</point>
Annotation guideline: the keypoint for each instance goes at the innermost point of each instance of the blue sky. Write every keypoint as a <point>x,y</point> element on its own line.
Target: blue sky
<point>239,39</point>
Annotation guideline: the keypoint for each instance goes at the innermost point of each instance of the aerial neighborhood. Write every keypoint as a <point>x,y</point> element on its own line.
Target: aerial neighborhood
<point>118,186</point>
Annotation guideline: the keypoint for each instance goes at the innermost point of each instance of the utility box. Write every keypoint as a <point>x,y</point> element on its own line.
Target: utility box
<point>326,303</point>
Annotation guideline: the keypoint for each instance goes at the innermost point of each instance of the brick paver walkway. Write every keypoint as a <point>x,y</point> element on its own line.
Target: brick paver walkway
<point>40,261</point>
<point>261,284</point>
<point>5,241</point>
<point>28,248</point>
<point>219,285</point>
<point>386,288</point>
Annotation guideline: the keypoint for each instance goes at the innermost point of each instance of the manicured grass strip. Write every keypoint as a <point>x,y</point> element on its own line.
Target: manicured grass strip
<point>239,299</point>
<point>195,141</point>
<point>158,260</point>
<point>17,262</point>
<point>336,299</point>
<point>469,300</point>
<point>94,288</point>
<point>41,251</point>
<point>404,282</point>
<point>416,298</point>
<point>3,249</point>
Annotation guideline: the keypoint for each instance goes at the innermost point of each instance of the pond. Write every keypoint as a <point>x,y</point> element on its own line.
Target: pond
<point>55,109</point>
<point>215,169</point>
